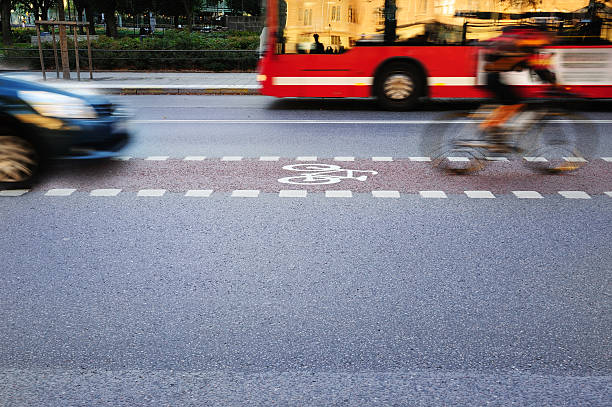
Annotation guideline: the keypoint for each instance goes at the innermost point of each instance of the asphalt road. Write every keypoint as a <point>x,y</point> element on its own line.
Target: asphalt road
<point>200,282</point>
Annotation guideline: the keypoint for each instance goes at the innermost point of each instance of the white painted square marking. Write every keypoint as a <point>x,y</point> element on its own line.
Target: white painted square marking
<point>536,159</point>
<point>14,192</point>
<point>269,158</point>
<point>292,193</point>
<point>231,158</point>
<point>479,194</point>
<point>432,194</point>
<point>608,159</point>
<point>575,159</point>
<point>245,193</point>
<point>609,193</point>
<point>199,193</point>
<point>338,194</point>
<point>157,158</point>
<point>105,192</point>
<point>382,158</point>
<point>60,192</point>
<point>151,192</point>
<point>195,158</point>
<point>575,194</point>
<point>527,194</point>
<point>306,158</point>
<point>121,158</point>
<point>421,159</point>
<point>344,158</point>
<point>496,158</point>
<point>386,194</point>
<point>458,159</point>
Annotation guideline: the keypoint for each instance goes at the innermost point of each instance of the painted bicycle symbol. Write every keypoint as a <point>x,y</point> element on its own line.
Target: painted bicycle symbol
<point>320,174</point>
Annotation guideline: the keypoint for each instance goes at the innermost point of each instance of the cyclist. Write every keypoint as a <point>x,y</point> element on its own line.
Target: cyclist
<point>515,50</point>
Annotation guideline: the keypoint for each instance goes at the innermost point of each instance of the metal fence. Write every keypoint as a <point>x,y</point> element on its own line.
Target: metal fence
<point>141,59</point>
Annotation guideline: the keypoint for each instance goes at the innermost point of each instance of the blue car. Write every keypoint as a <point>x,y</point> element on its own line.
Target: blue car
<point>38,122</point>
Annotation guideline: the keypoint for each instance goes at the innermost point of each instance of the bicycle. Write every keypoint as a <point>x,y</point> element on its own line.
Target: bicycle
<point>545,135</point>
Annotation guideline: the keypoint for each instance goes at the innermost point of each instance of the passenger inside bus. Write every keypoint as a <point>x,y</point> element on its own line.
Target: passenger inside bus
<point>317,47</point>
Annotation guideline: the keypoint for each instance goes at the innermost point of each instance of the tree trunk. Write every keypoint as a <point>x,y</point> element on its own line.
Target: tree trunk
<point>90,20</point>
<point>111,24</point>
<point>79,18</point>
<point>44,15</point>
<point>7,37</point>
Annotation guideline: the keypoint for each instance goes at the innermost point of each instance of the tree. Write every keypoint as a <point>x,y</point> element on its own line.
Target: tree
<point>5,15</point>
<point>252,7</point>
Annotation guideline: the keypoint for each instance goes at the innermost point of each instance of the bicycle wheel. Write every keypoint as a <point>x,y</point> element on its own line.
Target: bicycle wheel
<point>310,179</point>
<point>454,144</point>
<point>315,167</point>
<point>560,142</point>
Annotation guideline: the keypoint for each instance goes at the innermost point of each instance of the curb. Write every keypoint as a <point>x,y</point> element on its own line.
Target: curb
<point>181,91</point>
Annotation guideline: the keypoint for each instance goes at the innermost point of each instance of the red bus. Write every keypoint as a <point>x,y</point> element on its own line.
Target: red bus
<point>399,51</point>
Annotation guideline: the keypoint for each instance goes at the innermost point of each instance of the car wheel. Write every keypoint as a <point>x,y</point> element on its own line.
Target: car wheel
<point>19,161</point>
<point>399,86</point>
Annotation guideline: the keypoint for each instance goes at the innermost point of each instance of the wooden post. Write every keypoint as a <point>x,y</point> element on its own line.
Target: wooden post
<point>89,53</point>
<point>55,51</point>
<point>40,53</point>
<point>76,52</point>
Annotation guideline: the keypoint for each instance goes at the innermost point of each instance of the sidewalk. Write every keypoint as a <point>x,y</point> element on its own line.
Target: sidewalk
<point>151,83</point>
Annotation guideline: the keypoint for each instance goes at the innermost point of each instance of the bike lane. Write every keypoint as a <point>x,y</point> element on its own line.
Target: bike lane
<point>402,175</point>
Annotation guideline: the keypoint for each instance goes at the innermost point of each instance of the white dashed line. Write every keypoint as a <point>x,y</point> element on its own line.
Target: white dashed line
<point>479,194</point>
<point>157,158</point>
<point>14,192</point>
<point>151,192</point>
<point>60,192</point>
<point>231,158</point>
<point>121,158</point>
<point>527,194</point>
<point>199,193</point>
<point>608,159</point>
<point>496,158</point>
<point>458,159</point>
<point>575,194</point>
<point>195,158</point>
<point>269,158</point>
<point>293,193</point>
<point>385,194</point>
<point>420,159</point>
<point>105,192</point>
<point>382,158</point>
<point>344,158</point>
<point>245,193</point>
<point>609,193</point>
<point>306,158</point>
<point>575,159</point>
<point>536,159</point>
<point>338,194</point>
<point>432,194</point>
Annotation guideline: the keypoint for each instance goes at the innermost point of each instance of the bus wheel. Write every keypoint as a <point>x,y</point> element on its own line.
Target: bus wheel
<point>399,86</point>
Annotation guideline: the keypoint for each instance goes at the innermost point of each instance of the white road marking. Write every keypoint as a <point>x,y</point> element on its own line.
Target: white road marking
<point>609,193</point>
<point>195,158</point>
<point>433,194</point>
<point>458,159</point>
<point>306,158</point>
<point>293,193</point>
<point>199,193</point>
<point>527,194</point>
<point>338,194</point>
<point>60,192</point>
<point>121,158</point>
<point>151,192</point>
<point>245,193</point>
<point>382,158</point>
<point>14,192</point>
<point>105,192</point>
<point>386,194</point>
<point>231,158</point>
<point>575,194</point>
<point>344,158</point>
<point>496,158</point>
<point>269,158</point>
<point>420,159</point>
<point>479,194</point>
<point>536,159</point>
<point>608,159</point>
<point>575,159</point>
<point>157,158</point>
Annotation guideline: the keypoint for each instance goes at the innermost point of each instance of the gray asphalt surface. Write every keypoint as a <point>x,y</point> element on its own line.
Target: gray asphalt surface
<point>137,301</point>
